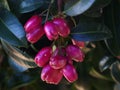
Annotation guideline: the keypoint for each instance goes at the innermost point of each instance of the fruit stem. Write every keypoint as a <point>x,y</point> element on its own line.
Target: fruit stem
<point>74,21</point>
<point>32,46</point>
<point>49,10</point>
<point>59,2</point>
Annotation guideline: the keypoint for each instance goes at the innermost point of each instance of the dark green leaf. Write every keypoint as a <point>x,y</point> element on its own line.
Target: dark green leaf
<point>112,20</point>
<point>95,14</point>
<point>117,87</point>
<point>106,62</point>
<point>96,9</point>
<point>19,80</point>
<point>96,74</point>
<point>19,57</point>
<point>15,66</point>
<point>4,3</point>
<point>99,4</point>
<point>76,7</point>
<point>24,6</point>
<point>11,29</point>
<point>115,72</point>
<point>90,31</point>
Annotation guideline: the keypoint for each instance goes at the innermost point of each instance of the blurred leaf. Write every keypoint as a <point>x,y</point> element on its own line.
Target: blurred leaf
<point>94,14</point>
<point>106,62</point>
<point>96,9</point>
<point>90,31</point>
<point>4,3</point>
<point>115,72</point>
<point>19,57</point>
<point>76,7</point>
<point>11,29</point>
<point>112,20</point>
<point>98,5</point>
<point>96,74</point>
<point>19,80</point>
<point>15,66</point>
<point>24,6</point>
<point>117,87</point>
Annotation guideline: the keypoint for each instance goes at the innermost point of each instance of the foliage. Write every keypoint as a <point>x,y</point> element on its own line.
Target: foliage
<point>95,22</point>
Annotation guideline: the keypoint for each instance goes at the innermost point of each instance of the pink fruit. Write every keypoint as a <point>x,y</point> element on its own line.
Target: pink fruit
<point>80,44</point>
<point>32,23</point>
<point>69,60</point>
<point>43,56</point>
<point>51,30</point>
<point>63,28</point>
<point>75,53</point>
<point>58,62</point>
<point>50,75</point>
<point>34,35</point>
<point>70,73</point>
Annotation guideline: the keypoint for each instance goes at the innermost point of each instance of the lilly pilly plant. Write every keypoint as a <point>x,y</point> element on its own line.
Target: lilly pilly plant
<point>61,41</point>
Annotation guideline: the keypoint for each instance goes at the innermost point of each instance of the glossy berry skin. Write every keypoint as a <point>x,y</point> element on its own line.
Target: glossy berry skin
<point>75,53</point>
<point>51,30</point>
<point>34,35</point>
<point>32,23</point>
<point>58,62</point>
<point>80,44</point>
<point>43,56</point>
<point>70,73</point>
<point>50,75</point>
<point>63,28</point>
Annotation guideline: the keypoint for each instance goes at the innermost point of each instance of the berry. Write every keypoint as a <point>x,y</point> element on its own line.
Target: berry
<point>50,75</point>
<point>63,29</point>
<point>43,56</point>
<point>70,73</point>
<point>75,53</point>
<point>32,23</point>
<point>51,30</point>
<point>58,62</point>
<point>34,35</point>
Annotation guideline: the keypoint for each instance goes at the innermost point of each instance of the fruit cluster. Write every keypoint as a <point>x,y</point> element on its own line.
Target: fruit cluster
<point>58,63</point>
<point>53,29</point>
<point>56,60</point>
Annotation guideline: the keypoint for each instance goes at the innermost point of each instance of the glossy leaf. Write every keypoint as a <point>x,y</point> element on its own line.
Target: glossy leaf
<point>96,74</point>
<point>115,72</point>
<point>19,57</point>
<point>11,29</point>
<point>112,20</point>
<point>90,31</point>
<point>15,66</point>
<point>106,62</point>
<point>24,6</point>
<point>76,7</point>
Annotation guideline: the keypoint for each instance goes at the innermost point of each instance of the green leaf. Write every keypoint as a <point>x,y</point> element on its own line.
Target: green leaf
<point>96,74</point>
<point>19,57</point>
<point>115,72</point>
<point>11,29</point>
<point>99,4</point>
<point>88,30</point>
<point>15,66</point>
<point>112,20</point>
<point>96,9</point>
<point>106,62</point>
<point>4,3</point>
<point>76,7</point>
<point>24,6</point>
